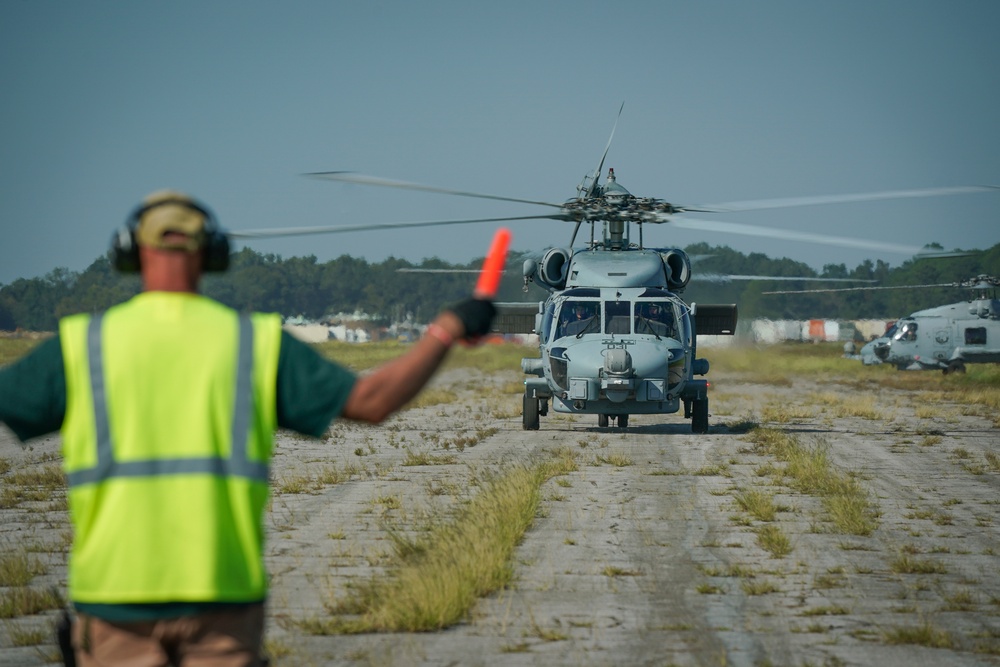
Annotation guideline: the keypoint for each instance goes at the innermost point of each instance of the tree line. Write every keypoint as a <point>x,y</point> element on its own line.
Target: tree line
<point>302,286</point>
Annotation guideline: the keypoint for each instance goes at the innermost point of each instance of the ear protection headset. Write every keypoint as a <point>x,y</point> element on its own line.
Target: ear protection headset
<point>125,248</point>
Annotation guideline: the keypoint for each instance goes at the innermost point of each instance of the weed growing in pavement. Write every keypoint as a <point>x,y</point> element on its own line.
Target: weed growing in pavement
<point>809,470</point>
<point>963,600</point>
<point>436,577</point>
<point>924,634</point>
<point>32,485</point>
<point>905,563</point>
<point>759,587</point>
<point>772,539</point>
<point>713,471</point>
<point>18,569</point>
<point>427,459</point>
<point>25,601</point>
<point>27,636</point>
<point>829,610</point>
<point>616,459</point>
<point>327,475</point>
<point>744,424</point>
<point>760,504</point>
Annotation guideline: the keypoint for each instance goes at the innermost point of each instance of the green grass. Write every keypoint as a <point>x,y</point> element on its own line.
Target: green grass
<point>773,540</point>
<point>18,569</point>
<point>757,503</point>
<point>25,601</point>
<point>487,358</point>
<point>907,564</point>
<point>924,634</point>
<point>12,349</point>
<point>436,577</point>
<point>427,459</point>
<point>810,471</point>
<point>773,364</point>
<point>28,636</point>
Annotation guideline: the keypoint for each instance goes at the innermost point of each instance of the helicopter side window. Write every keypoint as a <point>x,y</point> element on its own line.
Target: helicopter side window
<point>616,317</point>
<point>975,336</point>
<point>577,317</point>
<point>547,319</point>
<point>655,319</point>
<point>908,332</point>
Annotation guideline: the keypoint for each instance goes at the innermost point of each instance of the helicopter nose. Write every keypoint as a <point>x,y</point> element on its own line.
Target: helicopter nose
<point>881,350</point>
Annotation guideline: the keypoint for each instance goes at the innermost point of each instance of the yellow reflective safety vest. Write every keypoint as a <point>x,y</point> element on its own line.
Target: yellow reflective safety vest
<point>167,439</point>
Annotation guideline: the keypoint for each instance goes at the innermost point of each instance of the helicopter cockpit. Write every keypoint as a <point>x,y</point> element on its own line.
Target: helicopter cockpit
<point>907,332</point>
<point>654,318</point>
<point>579,316</point>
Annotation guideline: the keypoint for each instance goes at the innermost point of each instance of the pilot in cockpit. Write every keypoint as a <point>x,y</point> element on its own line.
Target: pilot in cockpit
<point>576,317</point>
<point>653,318</point>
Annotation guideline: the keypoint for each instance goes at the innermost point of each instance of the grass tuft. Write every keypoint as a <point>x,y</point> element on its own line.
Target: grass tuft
<point>437,577</point>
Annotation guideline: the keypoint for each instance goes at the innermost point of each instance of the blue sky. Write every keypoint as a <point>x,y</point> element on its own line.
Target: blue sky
<point>106,101</point>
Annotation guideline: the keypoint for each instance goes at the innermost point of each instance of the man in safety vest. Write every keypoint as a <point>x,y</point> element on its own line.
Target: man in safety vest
<point>167,405</point>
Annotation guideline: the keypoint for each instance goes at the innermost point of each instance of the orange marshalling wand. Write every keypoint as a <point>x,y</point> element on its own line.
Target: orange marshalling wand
<point>489,277</point>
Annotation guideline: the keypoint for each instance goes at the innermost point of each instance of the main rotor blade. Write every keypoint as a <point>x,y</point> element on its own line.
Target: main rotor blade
<point>364,179</point>
<point>682,222</point>
<point>722,278</point>
<point>600,165</point>
<point>760,204</point>
<point>440,271</point>
<point>337,229</point>
<point>858,289</point>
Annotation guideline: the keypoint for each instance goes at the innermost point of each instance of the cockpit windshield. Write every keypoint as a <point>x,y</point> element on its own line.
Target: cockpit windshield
<point>655,318</point>
<point>578,317</point>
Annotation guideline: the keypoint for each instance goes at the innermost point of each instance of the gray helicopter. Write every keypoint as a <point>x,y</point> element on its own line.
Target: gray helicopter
<point>615,336</point>
<point>944,338</point>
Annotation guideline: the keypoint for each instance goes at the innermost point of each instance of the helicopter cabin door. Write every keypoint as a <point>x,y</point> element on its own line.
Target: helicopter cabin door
<point>940,336</point>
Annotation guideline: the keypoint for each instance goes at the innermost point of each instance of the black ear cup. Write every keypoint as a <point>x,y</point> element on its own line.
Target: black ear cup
<point>125,249</point>
<point>216,252</point>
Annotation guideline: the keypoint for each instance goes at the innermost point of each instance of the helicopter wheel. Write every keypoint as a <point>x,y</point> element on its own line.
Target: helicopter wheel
<point>530,413</point>
<point>622,421</point>
<point>602,421</point>
<point>954,367</point>
<point>699,416</point>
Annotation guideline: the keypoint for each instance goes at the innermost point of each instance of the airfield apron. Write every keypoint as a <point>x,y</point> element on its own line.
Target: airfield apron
<point>167,440</point>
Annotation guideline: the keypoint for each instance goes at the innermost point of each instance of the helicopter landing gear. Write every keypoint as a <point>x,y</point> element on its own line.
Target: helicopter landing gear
<point>603,420</point>
<point>954,367</point>
<point>699,415</point>
<point>530,413</point>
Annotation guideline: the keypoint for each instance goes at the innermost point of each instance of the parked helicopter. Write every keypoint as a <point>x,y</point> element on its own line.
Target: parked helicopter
<point>615,336</point>
<point>944,338</point>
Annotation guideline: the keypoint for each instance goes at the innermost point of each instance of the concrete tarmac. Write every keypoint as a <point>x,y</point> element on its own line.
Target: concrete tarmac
<point>643,556</point>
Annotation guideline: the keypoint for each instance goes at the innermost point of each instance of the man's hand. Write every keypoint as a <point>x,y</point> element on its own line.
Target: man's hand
<point>476,316</point>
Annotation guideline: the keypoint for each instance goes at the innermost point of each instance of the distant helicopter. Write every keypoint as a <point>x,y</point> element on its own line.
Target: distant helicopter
<point>944,338</point>
<point>615,336</point>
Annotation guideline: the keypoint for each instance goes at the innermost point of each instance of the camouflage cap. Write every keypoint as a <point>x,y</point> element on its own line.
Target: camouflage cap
<point>169,211</point>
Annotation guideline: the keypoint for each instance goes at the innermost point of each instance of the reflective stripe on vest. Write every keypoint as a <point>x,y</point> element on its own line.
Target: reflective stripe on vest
<point>237,465</point>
